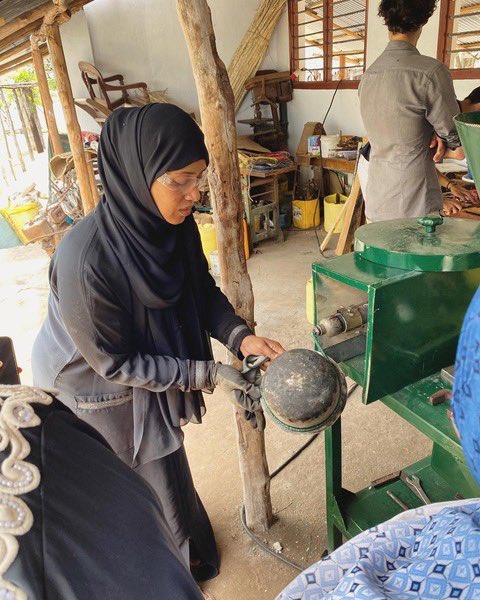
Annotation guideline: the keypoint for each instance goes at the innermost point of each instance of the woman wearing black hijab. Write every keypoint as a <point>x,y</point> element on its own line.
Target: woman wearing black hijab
<point>132,307</point>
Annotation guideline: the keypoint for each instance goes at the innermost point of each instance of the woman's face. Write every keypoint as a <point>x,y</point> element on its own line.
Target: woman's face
<point>176,192</point>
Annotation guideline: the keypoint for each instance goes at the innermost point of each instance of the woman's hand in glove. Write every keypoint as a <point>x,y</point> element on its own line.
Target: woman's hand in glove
<point>244,390</point>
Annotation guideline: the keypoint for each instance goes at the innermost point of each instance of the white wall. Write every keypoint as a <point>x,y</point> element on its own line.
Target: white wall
<point>143,40</point>
<point>77,46</point>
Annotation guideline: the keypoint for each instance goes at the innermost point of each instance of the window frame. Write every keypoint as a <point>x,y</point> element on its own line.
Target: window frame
<point>447,9</point>
<point>327,35</point>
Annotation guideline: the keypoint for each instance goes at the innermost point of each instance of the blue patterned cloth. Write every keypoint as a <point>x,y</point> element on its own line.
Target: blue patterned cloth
<point>432,552</point>
<point>466,388</point>
<point>425,554</point>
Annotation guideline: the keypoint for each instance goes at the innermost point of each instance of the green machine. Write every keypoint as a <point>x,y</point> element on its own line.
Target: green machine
<point>390,315</point>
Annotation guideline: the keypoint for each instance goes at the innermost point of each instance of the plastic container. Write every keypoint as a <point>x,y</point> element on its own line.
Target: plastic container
<point>310,301</point>
<point>328,143</point>
<point>468,127</point>
<point>8,237</point>
<point>214,264</point>
<point>306,213</point>
<point>18,216</point>
<point>332,206</point>
<point>208,236</point>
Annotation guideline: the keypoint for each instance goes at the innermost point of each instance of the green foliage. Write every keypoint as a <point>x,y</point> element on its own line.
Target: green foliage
<point>26,74</point>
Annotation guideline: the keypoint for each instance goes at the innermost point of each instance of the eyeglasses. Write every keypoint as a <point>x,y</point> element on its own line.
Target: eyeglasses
<point>184,183</point>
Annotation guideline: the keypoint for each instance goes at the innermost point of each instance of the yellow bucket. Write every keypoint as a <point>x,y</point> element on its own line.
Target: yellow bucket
<point>18,216</point>
<point>306,213</point>
<point>208,236</point>
<point>332,206</point>
<point>310,305</point>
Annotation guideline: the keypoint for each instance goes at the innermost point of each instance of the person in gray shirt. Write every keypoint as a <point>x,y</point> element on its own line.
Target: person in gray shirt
<point>405,100</point>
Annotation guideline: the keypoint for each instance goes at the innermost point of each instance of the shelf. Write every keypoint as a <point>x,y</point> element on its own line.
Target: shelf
<point>370,507</point>
<point>270,173</point>
<point>411,403</point>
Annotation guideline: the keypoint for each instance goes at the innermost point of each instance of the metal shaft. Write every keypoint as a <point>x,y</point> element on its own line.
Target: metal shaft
<point>397,500</point>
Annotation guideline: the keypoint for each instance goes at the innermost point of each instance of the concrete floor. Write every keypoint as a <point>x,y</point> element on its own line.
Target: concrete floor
<point>376,441</point>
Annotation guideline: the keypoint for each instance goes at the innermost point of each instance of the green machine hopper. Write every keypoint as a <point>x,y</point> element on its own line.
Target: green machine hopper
<point>390,314</point>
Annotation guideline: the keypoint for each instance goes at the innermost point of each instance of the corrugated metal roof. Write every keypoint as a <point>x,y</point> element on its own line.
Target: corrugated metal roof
<point>11,9</point>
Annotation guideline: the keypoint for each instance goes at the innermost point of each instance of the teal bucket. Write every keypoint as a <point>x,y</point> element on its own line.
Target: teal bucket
<point>8,237</point>
<point>468,127</point>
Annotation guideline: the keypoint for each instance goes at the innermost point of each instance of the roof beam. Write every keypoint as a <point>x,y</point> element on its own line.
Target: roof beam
<point>20,61</point>
<point>337,27</point>
<point>466,10</point>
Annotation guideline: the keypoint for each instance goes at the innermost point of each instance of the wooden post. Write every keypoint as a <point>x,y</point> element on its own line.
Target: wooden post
<point>33,118</point>
<point>65,94</point>
<point>7,146</point>
<point>45,96</point>
<point>25,124</point>
<point>217,109</point>
<point>12,129</point>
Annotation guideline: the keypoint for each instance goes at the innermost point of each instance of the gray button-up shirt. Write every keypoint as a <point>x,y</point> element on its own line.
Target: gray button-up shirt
<point>404,98</point>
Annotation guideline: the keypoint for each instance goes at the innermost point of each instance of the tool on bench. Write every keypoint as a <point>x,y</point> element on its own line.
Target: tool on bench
<point>414,483</point>
<point>396,499</point>
<point>385,479</point>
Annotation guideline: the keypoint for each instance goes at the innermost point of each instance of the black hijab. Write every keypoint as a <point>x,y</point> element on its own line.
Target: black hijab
<point>137,146</point>
<point>164,264</point>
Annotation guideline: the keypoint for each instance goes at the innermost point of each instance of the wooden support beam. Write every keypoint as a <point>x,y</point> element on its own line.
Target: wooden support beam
<point>21,109</point>
<point>45,96</point>
<point>33,119</point>
<point>7,146</point>
<point>468,10</point>
<point>12,129</point>
<point>65,94</point>
<point>30,22</point>
<point>31,18</point>
<point>18,49</point>
<point>217,109</point>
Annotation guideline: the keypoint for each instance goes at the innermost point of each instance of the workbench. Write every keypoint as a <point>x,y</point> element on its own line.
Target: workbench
<point>261,199</point>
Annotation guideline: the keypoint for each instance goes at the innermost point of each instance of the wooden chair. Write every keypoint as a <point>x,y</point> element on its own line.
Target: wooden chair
<point>91,76</point>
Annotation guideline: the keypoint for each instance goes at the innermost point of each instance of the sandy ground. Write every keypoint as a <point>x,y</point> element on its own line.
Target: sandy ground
<point>376,441</point>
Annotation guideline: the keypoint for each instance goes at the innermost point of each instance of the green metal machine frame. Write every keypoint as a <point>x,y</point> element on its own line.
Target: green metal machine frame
<point>414,321</point>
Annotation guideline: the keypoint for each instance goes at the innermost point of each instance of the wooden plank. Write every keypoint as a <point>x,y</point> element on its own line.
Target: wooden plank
<point>217,109</point>
<point>353,218</point>
<point>340,165</point>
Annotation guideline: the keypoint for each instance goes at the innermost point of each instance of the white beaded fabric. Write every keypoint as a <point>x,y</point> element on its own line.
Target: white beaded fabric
<point>17,477</point>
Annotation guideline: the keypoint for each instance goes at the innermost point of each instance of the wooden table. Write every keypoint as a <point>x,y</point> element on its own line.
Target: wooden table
<point>340,165</point>
<point>263,220</point>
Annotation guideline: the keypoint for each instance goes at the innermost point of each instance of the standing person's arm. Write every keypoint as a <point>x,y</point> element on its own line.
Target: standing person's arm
<point>441,106</point>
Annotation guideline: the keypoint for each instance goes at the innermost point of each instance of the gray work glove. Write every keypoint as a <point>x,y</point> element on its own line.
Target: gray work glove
<point>242,388</point>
